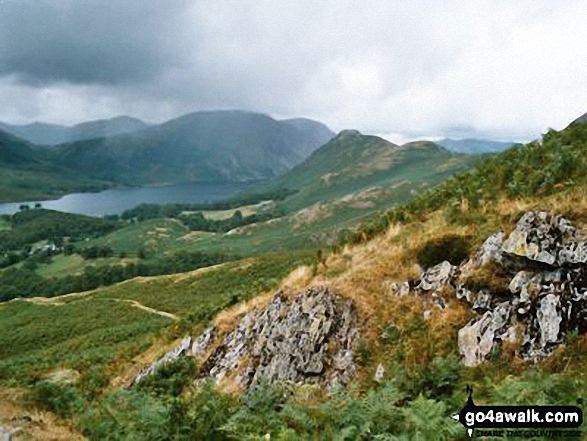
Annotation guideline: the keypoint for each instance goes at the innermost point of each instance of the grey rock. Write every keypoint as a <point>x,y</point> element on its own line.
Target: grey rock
<point>491,250</point>
<point>549,319</point>
<point>400,289</point>
<point>203,342</point>
<point>482,301</point>
<point>379,373</point>
<point>435,278</point>
<point>547,291</point>
<point>478,338</point>
<point>309,339</point>
<point>545,238</point>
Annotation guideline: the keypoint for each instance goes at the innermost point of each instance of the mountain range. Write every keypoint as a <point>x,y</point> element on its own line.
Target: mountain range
<point>198,147</point>
<point>52,134</point>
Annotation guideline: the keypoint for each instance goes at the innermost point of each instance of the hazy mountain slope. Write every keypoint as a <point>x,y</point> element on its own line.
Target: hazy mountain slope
<point>202,146</point>
<point>27,173</point>
<point>318,133</point>
<point>105,127</point>
<point>472,146</point>
<point>51,134</point>
<point>38,133</point>
<point>16,151</point>
<point>352,162</point>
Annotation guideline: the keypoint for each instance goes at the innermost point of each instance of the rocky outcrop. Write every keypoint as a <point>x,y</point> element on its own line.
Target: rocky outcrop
<point>546,296</point>
<point>543,264</point>
<point>308,339</point>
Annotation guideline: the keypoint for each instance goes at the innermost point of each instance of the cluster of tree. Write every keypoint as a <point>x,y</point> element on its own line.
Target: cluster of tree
<point>25,207</point>
<point>198,222</point>
<point>25,282</point>
<point>31,226</point>
<point>155,211</point>
<point>95,252</point>
<point>11,258</point>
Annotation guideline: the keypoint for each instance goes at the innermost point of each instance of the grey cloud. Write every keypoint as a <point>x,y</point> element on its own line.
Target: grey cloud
<point>501,68</point>
<point>88,41</point>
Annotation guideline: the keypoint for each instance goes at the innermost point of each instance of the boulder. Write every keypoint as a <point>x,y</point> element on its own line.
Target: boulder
<point>309,339</point>
<point>435,278</point>
<point>546,296</point>
<point>379,373</point>
<point>541,237</point>
<point>479,337</point>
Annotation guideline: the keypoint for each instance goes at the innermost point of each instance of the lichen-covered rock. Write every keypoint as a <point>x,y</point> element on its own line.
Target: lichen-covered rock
<point>546,296</point>
<point>540,236</point>
<point>379,373</point>
<point>435,278</point>
<point>307,340</point>
<point>491,250</point>
<point>203,342</point>
<point>478,338</point>
<point>400,289</point>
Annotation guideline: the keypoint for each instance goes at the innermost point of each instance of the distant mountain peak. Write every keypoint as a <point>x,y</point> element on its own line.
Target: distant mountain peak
<point>349,133</point>
<point>474,146</point>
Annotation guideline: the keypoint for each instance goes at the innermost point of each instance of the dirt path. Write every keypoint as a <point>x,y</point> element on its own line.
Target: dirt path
<point>56,301</point>
<point>147,309</point>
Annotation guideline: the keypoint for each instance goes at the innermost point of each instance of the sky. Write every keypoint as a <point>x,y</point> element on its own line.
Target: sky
<point>404,69</point>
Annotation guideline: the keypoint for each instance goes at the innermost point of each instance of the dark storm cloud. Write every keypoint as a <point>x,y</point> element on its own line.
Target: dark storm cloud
<point>88,41</point>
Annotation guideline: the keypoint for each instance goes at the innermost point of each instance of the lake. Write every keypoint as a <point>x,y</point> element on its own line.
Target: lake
<point>117,200</point>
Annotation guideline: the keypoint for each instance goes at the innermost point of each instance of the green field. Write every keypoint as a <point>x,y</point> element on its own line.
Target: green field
<point>64,265</point>
<point>156,236</point>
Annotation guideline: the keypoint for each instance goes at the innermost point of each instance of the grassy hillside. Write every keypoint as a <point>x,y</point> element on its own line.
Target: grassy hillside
<point>343,182</point>
<point>199,147</point>
<point>424,382</point>
<point>352,162</point>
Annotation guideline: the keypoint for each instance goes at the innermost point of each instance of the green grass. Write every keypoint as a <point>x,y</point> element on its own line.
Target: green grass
<point>4,224</point>
<point>63,265</point>
<point>42,184</point>
<point>85,332</point>
<point>156,236</point>
<point>246,210</point>
<point>79,335</point>
<point>185,294</point>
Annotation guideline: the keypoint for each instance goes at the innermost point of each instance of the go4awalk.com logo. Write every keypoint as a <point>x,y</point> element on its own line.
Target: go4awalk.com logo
<point>521,421</point>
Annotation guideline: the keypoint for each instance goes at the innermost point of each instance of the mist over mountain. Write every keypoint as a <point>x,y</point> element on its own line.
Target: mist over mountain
<point>472,145</point>
<point>52,134</point>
